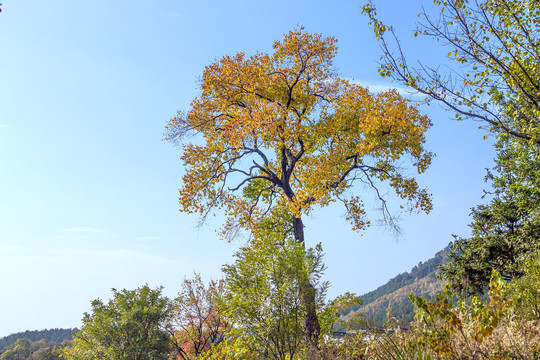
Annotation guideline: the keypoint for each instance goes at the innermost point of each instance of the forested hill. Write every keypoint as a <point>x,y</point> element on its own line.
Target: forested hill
<point>421,281</point>
<point>52,335</point>
<point>420,271</point>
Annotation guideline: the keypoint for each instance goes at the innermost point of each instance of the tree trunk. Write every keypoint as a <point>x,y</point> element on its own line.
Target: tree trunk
<point>312,328</point>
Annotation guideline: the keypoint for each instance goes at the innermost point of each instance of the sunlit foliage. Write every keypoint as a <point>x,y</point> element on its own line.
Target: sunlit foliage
<point>495,45</point>
<point>197,320</point>
<point>264,294</point>
<point>132,325</point>
<point>283,130</point>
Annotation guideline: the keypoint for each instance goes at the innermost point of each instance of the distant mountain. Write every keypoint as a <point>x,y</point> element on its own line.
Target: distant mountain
<point>421,281</point>
<point>52,335</point>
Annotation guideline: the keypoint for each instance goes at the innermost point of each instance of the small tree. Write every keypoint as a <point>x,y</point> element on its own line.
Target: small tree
<point>132,325</point>
<point>197,320</point>
<point>282,133</point>
<point>264,297</point>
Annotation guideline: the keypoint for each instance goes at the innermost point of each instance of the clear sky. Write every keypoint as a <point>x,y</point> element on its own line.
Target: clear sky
<point>88,191</point>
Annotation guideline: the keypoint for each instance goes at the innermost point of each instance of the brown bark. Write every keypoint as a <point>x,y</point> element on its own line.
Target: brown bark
<point>312,328</point>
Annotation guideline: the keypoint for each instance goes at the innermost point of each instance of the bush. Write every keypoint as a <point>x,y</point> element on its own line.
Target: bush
<point>132,325</point>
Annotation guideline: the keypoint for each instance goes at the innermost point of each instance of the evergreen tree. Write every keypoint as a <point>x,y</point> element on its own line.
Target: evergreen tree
<point>506,231</point>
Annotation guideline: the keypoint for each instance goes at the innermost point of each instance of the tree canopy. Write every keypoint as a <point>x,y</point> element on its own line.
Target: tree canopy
<point>132,325</point>
<point>282,130</point>
<point>505,231</point>
<point>264,294</point>
<point>198,322</point>
<point>496,45</point>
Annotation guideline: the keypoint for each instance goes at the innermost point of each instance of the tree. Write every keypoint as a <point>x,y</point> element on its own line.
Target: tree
<point>263,296</point>
<point>20,350</point>
<point>43,350</point>
<point>496,45</point>
<point>506,231</point>
<point>282,133</point>
<point>340,313</point>
<point>132,325</point>
<point>526,290</point>
<point>198,321</point>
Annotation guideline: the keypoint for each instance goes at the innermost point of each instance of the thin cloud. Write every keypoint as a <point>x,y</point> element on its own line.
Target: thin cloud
<point>88,254</point>
<point>147,238</point>
<point>382,87</point>
<point>83,229</point>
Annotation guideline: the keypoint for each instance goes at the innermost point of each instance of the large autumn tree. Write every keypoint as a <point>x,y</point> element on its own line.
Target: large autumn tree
<point>281,133</point>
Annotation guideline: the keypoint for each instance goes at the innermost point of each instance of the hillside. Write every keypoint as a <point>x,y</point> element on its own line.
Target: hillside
<point>52,336</point>
<point>421,281</point>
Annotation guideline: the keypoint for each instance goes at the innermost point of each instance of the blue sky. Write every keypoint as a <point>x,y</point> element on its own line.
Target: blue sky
<point>88,191</point>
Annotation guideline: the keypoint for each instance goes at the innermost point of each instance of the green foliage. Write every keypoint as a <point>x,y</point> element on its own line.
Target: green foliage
<point>235,347</point>
<point>506,231</point>
<point>526,291</point>
<point>132,325</point>
<point>332,319</point>
<point>264,294</point>
<point>495,45</point>
<point>21,349</point>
